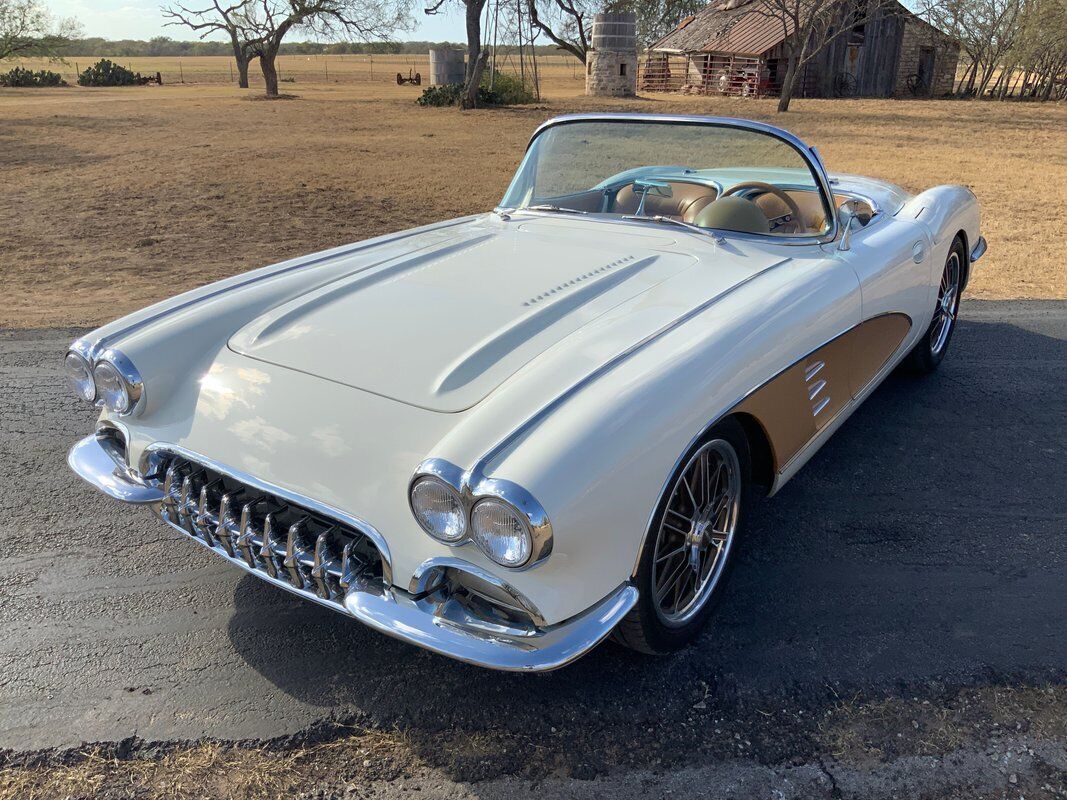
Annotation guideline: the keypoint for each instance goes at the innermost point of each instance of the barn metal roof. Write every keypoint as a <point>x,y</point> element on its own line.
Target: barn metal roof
<point>728,27</point>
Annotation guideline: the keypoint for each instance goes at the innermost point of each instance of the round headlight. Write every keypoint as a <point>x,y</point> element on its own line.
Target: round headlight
<point>501,533</point>
<point>438,509</point>
<point>111,388</point>
<point>80,376</point>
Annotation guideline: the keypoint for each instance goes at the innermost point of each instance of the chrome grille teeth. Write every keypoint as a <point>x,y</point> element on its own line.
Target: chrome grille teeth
<point>205,522</point>
<point>272,544</point>
<point>170,490</point>
<point>227,525</point>
<point>327,563</point>
<point>297,552</point>
<point>352,565</point>
<point>186,507</point>
<point>246,536</point>
<point>314,554</point>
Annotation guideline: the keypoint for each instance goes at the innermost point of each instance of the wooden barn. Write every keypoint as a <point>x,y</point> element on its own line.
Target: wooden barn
<point>734,48</point>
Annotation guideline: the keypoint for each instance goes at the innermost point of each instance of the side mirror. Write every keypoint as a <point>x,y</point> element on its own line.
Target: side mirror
<point>846,215</point>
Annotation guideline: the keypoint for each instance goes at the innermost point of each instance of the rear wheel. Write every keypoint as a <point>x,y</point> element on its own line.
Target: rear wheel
<point>930,350</point>
<point>689,549</point>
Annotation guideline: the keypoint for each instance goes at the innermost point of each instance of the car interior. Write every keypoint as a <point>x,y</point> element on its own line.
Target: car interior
<point>750,207</point>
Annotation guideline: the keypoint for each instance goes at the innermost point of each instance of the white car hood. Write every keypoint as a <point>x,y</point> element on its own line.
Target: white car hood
<point>444,325</point>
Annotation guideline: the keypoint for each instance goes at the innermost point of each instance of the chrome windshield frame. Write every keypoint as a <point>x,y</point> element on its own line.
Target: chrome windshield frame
<point>809,154</point>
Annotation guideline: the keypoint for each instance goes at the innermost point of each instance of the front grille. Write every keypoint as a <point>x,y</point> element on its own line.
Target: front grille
<point>297,546</point>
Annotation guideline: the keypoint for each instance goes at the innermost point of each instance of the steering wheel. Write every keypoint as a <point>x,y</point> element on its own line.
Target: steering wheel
<point>791,204</point>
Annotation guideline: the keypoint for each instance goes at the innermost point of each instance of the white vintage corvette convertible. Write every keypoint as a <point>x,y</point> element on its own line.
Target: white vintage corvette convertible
<point>507,436</point>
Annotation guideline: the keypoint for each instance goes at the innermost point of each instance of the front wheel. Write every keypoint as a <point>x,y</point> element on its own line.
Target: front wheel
<point>690,546</point>
<point>930,350</point>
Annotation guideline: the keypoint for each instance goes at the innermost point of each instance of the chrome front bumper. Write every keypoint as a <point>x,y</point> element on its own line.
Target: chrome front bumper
<point>405,615</point>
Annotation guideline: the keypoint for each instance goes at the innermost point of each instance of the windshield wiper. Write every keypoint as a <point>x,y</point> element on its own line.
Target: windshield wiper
<point>662,220</point>
<point>551,208</point>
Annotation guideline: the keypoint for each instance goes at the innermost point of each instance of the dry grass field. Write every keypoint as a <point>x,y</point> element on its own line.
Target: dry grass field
<point>114,198</point>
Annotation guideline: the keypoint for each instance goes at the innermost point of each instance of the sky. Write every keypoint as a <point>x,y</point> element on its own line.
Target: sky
<point>140,19</point>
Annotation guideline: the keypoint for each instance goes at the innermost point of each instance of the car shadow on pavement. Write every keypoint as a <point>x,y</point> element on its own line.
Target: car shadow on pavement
<point>922,547</point>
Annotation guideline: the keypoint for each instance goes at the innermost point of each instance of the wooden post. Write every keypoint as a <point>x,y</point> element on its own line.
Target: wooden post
<point>181,72</point>
<point>326,63</point>
<point>231,72</point>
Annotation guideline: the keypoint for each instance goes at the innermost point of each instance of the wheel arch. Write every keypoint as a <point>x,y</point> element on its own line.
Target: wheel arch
<point>961,234</point>
<point>760,452</point>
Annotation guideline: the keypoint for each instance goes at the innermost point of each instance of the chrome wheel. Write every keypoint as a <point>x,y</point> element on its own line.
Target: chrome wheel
<point>948,301</point>
<point>696,533</point>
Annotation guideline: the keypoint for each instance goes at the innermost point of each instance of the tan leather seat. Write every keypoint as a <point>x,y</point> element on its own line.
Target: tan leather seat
<point>812,217</point>
<point>686,201</point>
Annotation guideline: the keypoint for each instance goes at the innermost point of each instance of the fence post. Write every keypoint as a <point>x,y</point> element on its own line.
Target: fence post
<point>231,71</point>
<point>181,72</point>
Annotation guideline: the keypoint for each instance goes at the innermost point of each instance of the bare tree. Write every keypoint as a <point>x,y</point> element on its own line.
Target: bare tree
<point>267,22</point>
<point>657,18</point>
<point>985,29</point>
<point>218,18</point>
<point>473,13</point>
<point>28,30</point>
<point>809,26</point>
<point>565,22</point>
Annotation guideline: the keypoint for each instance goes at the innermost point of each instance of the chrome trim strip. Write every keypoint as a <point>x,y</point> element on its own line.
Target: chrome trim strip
<point>979,249</point>
<point>477,472</point>
<point>97,460</point>
<point>809,154</point>
<point>361,525</point>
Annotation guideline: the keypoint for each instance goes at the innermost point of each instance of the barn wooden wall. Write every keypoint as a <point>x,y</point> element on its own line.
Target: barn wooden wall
<point>876,67</point>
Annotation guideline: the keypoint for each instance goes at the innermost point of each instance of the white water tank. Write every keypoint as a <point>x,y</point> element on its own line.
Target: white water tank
<point>446,66</point>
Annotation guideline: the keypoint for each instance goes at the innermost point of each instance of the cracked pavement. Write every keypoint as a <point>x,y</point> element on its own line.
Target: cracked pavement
<point>922,551</point>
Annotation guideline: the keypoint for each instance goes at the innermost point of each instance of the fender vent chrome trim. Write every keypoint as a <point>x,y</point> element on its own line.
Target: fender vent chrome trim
<point>298,546</point>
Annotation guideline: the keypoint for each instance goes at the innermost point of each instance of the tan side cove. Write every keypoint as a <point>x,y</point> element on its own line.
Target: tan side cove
<point>794,406</point>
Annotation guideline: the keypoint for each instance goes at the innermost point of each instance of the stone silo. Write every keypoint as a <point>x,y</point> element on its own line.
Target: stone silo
<point>611,63</point>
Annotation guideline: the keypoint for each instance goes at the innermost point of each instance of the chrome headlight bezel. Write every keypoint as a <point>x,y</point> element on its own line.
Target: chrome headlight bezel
<point>463,522</point>
<point>472,491</point>
<point>118,366</point>
<point>128,375</point>
<point>78,369</point>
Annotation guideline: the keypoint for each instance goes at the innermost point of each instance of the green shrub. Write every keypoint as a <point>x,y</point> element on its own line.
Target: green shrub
<point>27,77</point>
<point>507,90</point>
<point>107,73</point>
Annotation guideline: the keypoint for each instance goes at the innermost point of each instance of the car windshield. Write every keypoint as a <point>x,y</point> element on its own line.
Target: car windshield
<point>711,175</point>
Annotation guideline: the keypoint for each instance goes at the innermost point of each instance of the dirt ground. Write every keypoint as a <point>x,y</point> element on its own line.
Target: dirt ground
<point>115,198</point>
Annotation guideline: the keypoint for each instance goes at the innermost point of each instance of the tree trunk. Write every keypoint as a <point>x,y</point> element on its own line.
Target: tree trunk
<point>474,34</point>
<point>270,71</point>
<point>242,71</point>
<point>786,92</point>
<point>470,98</point>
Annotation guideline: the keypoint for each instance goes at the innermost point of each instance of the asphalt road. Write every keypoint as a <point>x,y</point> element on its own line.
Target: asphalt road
<point>922,549</point>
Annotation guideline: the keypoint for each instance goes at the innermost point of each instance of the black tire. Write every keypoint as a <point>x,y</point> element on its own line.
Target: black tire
<point>643,629</point>
<point>930,350</point>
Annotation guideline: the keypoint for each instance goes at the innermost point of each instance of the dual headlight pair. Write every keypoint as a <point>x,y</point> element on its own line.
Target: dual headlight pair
<point>111,381</point>
<point>512,534</point>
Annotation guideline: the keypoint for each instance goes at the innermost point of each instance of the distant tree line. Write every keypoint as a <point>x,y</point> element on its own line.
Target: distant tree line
<point>165,46</point>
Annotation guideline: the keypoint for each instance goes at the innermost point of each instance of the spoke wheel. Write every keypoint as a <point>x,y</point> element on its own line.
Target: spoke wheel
<point>948,303</point>
<point>696,533</point>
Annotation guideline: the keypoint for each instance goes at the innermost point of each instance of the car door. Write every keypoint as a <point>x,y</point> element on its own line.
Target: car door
<point>892,262</point>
